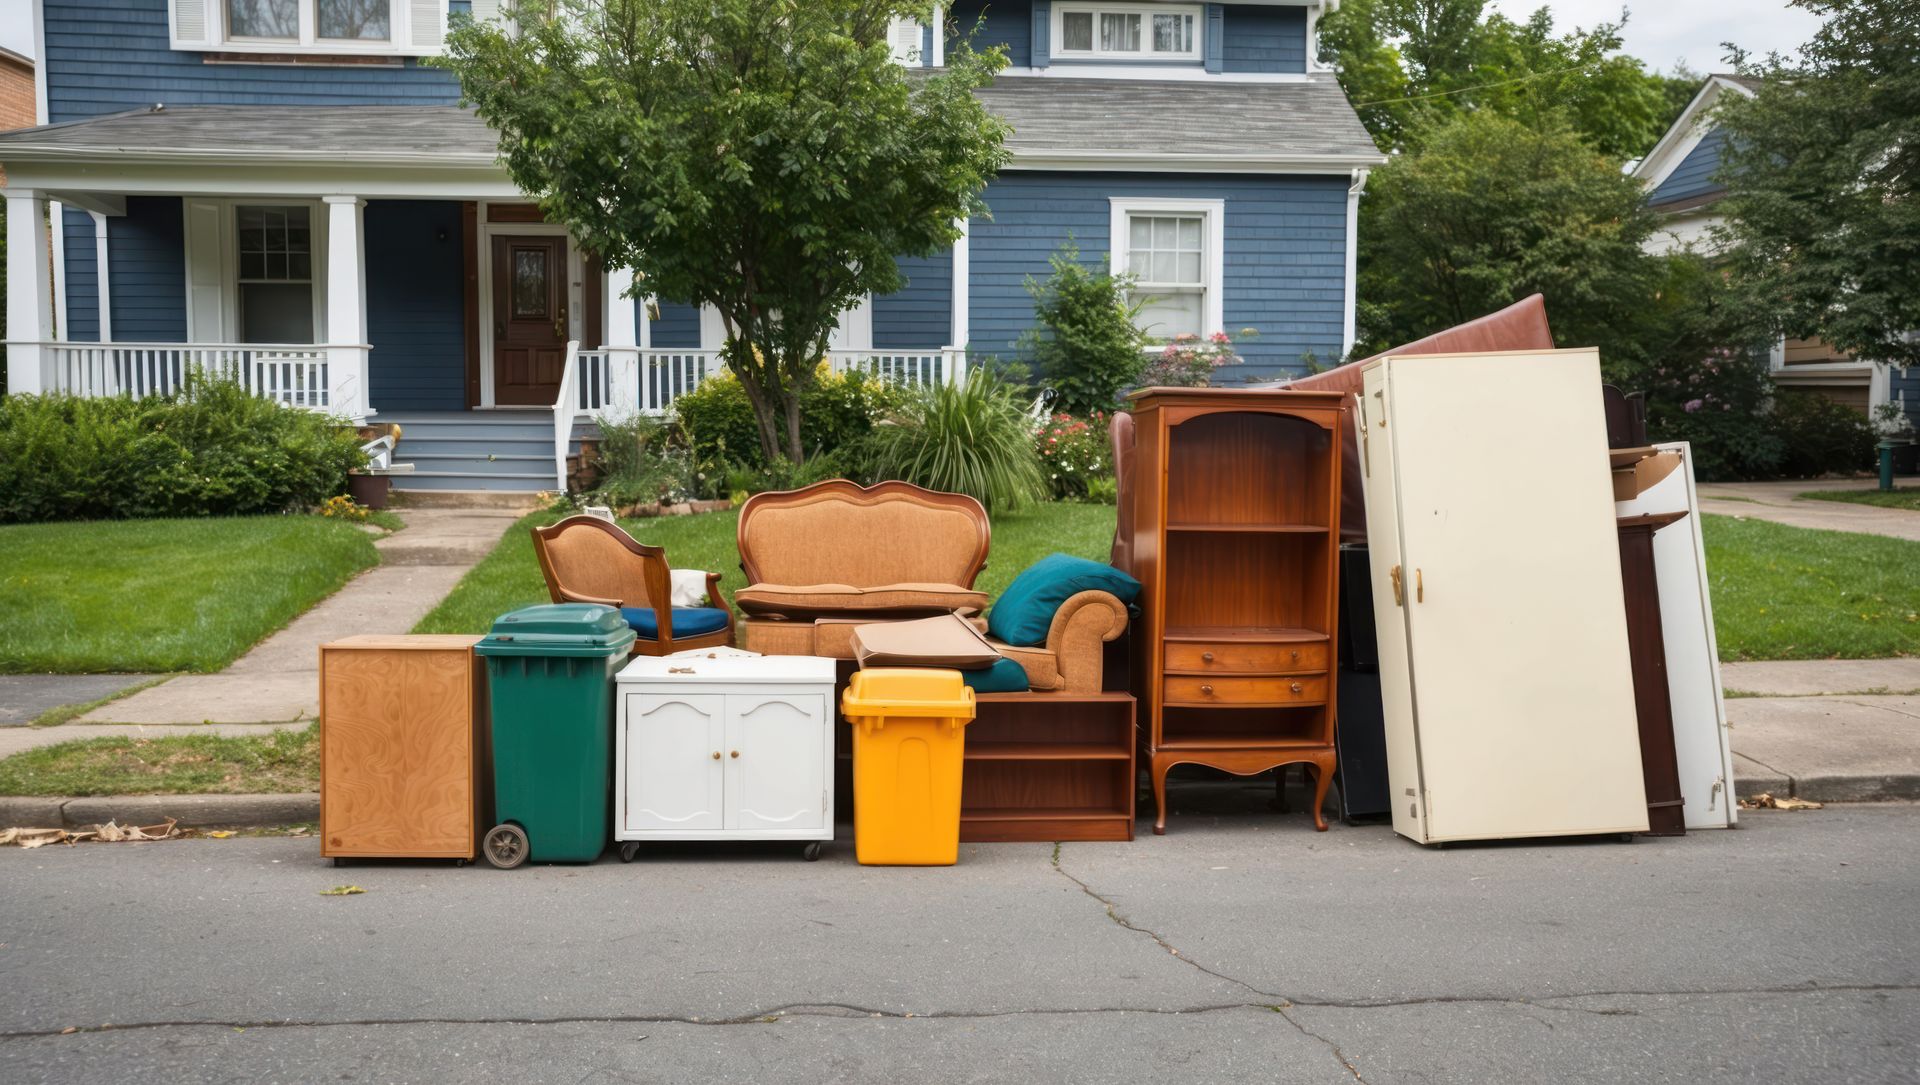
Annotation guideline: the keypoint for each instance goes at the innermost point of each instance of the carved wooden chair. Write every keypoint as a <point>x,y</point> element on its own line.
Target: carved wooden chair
<point>588,560</point>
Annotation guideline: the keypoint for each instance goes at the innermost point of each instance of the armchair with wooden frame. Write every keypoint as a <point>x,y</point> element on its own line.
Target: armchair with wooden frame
<point>588,560</point>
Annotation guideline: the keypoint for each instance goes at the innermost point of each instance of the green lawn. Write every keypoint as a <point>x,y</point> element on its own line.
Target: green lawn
<point>1793,593</point>
<point>1907,497</point>
<point>163,595</point>
<point>510,577</point>
<point>281,762</point>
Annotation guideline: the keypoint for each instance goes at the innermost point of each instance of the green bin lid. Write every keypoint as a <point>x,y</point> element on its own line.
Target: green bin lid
<point>558,629</point>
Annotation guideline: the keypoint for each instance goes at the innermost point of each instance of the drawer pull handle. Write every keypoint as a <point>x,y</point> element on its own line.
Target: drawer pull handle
<point>1208,690</point>
<point>735,754</point>
<point>1206,657</point>
<point>1296,655</point>
<point>716,755</point>
<point>1296,687</point>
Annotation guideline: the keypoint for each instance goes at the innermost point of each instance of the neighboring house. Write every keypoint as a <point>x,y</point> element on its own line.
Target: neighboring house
<point>283,189</point>
<point>16,94</point>
<point>1681,174</point>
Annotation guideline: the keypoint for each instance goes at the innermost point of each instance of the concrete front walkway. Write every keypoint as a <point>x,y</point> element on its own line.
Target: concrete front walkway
<point>1780,503</point>
<point>1813,677</point>
<point>278,681</point>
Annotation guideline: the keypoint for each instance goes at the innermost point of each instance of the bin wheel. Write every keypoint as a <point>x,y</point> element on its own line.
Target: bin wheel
<point>506,846</point>
<point>628,850</point>
<point>811,853</point>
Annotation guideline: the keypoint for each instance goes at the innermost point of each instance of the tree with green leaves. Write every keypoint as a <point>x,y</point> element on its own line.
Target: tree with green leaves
<point>765,157</point>
<point>1086,341</point>
<point>1822,228</point>
<point>1410,66</point>
<point>1491,210</point>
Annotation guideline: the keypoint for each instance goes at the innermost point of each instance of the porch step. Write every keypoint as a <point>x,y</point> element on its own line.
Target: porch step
<point>493,451</point>
<point>460,480</point>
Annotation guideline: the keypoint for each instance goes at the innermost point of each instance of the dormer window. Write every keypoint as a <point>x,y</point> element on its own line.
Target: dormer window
<point>1100,31</point>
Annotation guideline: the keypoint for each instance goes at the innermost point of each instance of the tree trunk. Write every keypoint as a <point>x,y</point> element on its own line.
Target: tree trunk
<point>763,412</point>
<point>792,410</point>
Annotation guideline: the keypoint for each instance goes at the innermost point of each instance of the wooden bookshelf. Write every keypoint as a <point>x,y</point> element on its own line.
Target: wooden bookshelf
<point>1049,766</point>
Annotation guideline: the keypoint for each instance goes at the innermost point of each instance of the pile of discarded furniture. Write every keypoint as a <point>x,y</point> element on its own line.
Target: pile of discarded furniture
<point>1358,573</point>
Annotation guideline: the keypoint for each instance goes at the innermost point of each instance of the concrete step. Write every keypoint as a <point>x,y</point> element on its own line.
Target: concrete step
<point>412,446</point>
<point>517,482</point>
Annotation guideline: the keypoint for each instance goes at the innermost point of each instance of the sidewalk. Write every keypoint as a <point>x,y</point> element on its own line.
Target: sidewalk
<point>1843,730</point>
<point>1779,502</point>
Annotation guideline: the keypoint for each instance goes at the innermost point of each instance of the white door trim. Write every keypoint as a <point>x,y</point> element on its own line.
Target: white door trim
<point>576,278</point>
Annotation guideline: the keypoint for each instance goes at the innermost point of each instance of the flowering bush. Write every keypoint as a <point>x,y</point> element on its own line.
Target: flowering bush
<point>345,508</point>
<point>1741,427</point>
<point>1073,453</point>
<point>1189,361</point>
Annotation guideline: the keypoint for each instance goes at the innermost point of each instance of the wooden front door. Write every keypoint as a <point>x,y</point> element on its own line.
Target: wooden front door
<point>529,319</point>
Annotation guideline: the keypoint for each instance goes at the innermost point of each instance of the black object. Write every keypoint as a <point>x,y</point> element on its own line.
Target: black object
<point>1626,417</point>
<point>1360,736</point>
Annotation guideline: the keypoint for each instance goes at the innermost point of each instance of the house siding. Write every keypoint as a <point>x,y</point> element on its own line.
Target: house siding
<point>109,56</point>
<point>83,279</point>
<point>1008,22</point>
<point>1694,176</point>
<point>919,315</point>
<point>147,271</point>
<point>416,306</point>
<point>1285,263</point>
<point>1264,39</point>
<point>678,326</point>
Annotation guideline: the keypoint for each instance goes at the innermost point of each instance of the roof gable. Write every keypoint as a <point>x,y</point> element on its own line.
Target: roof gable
<point>1689,131</point>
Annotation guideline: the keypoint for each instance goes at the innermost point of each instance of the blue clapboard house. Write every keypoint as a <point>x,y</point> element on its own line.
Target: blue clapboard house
<point>281,190</point>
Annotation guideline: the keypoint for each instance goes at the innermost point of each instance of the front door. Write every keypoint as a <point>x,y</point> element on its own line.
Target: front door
<point>529,319</point>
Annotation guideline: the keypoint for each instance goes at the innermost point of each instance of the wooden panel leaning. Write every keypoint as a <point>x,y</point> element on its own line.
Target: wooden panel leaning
<point>402,742</point>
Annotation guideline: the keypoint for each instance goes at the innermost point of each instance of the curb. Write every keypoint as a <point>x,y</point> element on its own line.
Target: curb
<point>191,811</point>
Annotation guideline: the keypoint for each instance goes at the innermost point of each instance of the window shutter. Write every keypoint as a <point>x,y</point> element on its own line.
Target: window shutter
<point>191,25</point>
<point>206,244</point>
<point>905,35</point>
<point>483,10</point>
<point>427,24</point>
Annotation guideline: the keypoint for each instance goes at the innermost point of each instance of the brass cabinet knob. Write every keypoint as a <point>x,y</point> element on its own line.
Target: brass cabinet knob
<point>1208,690</point>
<point>1296,655</point>
<point>1296,687</point>
<point>1206,657</point>
<point>735,754</point>
<point>716,755</point>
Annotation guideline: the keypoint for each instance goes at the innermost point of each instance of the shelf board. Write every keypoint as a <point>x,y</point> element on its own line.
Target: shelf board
<point>1049,697</point>
<point>1241,742</point>
<point>1259,634</point>
<point>1046,813</point>
<point>1044,751</point>
<point>1268,529</point>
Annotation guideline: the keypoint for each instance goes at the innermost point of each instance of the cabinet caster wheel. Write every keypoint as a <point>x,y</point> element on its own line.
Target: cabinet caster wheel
<point>339,862</point>
<point>811,853</point>
<point>458,863</point>
<point>628,850</point>
<point>506,846</point>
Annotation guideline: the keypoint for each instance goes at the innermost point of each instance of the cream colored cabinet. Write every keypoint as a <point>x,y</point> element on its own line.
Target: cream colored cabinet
<point>1504,665</point>
<point>717,747</point>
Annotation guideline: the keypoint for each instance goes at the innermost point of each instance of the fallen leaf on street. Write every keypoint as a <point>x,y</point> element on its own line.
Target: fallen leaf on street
<point>1766,801</point>
<point>342,891</point>
<point>221,834</point>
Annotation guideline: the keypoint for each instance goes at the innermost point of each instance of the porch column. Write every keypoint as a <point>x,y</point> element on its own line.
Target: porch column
<point>622,345</point>
<point>102,287</point>
<point>962,291</point>
<point>29,291</point>
<point>346,308</point>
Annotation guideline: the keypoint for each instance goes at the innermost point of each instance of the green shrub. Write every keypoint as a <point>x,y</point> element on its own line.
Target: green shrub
<point>1074,452</point>
<point>646,461</point>
<point>971,439</point>
<point>1821,436</point>
<point>1084,342</point>
<point>214,449</point>
<point>836,409</point>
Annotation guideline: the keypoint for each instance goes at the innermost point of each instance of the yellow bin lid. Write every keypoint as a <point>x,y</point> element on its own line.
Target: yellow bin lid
<point>908,691</point>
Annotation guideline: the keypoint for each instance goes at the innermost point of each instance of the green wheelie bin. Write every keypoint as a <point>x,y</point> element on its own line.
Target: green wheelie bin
<point>550,685</point>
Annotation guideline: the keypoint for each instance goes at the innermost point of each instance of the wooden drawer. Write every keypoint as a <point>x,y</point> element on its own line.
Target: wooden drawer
<point>1247,658</point>
<point>1195,690</point>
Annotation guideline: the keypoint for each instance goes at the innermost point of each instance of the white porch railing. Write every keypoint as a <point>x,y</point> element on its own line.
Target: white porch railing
<point>295,375</point>
<point>651,379</point>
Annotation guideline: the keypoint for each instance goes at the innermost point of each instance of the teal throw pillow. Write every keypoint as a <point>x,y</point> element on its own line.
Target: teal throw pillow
<point>1026,608</point>
<point>1005,676</point>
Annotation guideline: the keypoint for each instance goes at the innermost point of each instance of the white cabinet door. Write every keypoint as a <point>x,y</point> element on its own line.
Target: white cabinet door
<point>674,762</point>
<point>776,761</point>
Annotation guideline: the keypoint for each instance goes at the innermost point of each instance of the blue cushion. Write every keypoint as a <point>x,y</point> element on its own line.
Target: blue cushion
<point>687,621</point>
<point>1026,608</point>
<point>1005,676</point>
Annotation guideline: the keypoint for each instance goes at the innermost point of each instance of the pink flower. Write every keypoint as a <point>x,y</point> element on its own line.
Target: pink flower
<point>1691,405</point>
<point>1219,337</point>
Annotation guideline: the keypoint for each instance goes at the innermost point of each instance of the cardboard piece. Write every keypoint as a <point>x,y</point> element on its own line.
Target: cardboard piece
<point>945,640</point>
<point>1638,470</point>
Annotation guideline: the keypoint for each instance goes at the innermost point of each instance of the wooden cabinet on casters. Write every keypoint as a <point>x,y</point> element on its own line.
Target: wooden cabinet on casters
<point>1235,524</point>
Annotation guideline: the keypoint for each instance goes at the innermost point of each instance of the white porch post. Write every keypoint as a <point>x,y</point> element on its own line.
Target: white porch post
<point>101,284</point>
<point>622,345</point>
<point>1353,242</point>
<point>962,291</point>
<point>346,308</point>
<point>29,291</point>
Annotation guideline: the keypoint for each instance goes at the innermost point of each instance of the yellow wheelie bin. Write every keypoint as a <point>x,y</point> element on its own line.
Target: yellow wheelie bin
<point>909,735</point>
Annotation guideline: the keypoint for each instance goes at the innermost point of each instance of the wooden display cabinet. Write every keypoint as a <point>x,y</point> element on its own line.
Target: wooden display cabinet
<point>402,747</point>
<point>1234,524</point>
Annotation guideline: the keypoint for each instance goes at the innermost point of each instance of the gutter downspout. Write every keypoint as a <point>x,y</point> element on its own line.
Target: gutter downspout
<point>1353,241</point>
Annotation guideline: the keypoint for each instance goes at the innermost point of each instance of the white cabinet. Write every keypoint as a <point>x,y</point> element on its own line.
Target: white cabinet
<point>724,748</point>
<point>1505,674</point>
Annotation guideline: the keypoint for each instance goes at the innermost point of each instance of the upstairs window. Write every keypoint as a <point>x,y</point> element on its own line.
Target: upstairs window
<point>1099,31</point>
<point>292,27</point>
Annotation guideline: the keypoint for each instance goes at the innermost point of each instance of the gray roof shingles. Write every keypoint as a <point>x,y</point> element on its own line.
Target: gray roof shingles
<point>1048,115</point>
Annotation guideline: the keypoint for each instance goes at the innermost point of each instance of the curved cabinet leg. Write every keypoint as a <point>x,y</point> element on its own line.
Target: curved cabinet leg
<point>1322,777</point>
<point>1159,772</point>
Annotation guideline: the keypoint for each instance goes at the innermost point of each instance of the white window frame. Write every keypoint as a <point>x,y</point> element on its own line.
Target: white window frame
<point>316,266</point>
<point>1213,234</point>
<point>227,257</point>
<point>189,18</point>
<point>1056,38</point>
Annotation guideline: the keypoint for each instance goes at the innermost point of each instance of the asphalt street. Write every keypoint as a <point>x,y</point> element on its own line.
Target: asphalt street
<point>1239,947</point>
